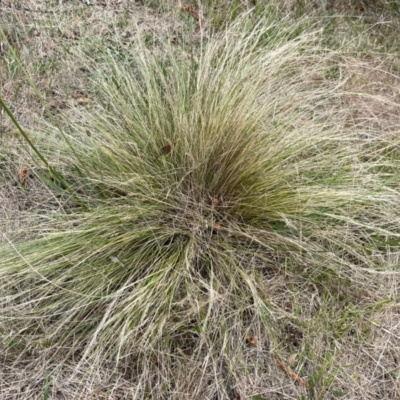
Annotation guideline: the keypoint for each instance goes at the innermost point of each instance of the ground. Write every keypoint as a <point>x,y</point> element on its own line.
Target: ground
<point>358,356</point>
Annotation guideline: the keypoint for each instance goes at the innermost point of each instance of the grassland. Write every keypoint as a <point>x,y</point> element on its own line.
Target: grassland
<point>199,200</point>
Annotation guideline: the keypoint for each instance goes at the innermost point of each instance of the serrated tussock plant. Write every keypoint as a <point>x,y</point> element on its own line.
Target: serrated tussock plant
<point>204,176</point>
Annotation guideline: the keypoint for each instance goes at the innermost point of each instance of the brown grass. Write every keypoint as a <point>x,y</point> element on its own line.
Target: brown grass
<point>365,362</point>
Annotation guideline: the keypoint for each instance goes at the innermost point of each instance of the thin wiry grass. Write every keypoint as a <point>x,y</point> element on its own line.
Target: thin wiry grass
<point>203,179</point>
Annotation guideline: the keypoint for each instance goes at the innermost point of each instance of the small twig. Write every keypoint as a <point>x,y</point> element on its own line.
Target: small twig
<point>291,373</point>
<point>193,12</point>
<point>196,14</point>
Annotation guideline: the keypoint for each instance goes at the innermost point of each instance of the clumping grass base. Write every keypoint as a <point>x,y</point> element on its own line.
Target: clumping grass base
<point>195,191</point>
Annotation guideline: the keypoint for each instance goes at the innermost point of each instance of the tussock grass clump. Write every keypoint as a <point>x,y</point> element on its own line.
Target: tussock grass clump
<point>196,190</point>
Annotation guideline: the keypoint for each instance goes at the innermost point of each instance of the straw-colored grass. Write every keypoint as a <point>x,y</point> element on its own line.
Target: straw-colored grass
<point>206,202</point>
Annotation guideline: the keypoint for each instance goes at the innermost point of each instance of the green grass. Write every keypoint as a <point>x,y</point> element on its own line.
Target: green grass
<point>206,195</point>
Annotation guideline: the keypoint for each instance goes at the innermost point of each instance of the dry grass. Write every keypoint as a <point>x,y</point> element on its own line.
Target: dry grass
<point>344,341</point>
